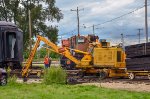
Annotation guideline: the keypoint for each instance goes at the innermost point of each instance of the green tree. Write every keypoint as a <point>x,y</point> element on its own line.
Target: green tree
<point>51,54</point>
<point>41,12</point>
<point>42,52</point>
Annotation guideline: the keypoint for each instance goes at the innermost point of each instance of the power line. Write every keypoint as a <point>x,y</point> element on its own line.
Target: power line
<point>122,41</point>
<point>119,16</point>
<point>139,34</point>
<point>146,22</point>
<point>78,21</point>
<point>68,32</point>
<point>110,20</point>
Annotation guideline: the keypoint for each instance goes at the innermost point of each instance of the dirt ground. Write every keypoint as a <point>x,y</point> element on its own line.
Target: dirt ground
<point>29,81</point>
<point>123,86</point>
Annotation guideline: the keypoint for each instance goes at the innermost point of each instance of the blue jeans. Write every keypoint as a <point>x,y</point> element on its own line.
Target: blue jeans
<point>46,66</point>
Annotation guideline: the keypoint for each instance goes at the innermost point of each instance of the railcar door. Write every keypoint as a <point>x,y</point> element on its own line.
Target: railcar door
<point>10,45</point>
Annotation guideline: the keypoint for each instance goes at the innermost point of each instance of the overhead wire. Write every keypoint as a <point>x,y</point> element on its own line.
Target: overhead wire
<point>108,20</point>
<point>119,16</point>
<point>68,32</point>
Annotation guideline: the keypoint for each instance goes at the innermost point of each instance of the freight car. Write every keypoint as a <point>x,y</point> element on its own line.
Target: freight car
<point>76,42</point>
<point>138,60</point>
<point>11,45</point>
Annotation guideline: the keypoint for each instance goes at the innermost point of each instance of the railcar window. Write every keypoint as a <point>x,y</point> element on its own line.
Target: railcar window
<point>104,44</point>
<point>11,42</point>
<point>118,56</point>
<point>81,40</point>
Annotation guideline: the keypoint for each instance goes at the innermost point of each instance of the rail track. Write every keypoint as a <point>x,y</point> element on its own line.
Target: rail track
<point>89,79</point>
<point>74,77</point>
<point>93,79</point>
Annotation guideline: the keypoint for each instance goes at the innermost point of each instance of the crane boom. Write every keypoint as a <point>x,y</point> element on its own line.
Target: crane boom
<point>57,49</point>
<point>30,58</point>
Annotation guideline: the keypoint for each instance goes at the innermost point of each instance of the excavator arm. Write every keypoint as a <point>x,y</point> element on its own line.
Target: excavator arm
<point>78,51</point>
<point>62,51</point>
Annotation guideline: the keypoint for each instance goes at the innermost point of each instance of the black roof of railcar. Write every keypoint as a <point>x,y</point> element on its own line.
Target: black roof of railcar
<point>9,25</point>
<point>5,23</point>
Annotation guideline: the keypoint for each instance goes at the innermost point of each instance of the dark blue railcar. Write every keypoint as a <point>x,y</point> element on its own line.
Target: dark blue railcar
<point>11,45</point>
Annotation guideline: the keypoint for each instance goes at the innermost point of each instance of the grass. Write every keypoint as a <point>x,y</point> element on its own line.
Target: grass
<point>57,91</point>
<point>54,75</point>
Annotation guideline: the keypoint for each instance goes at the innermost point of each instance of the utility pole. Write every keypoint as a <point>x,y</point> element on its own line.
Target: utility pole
<point>146,22</point>
<point>146,27</point>
<point>78,21</point>
<point>93,28</point>
<point>30,32</point>
<point>122,41</point>
<point>139,34</point>
<point>78,24</point>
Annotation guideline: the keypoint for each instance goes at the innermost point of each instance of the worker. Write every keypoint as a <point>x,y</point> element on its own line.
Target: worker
<point>46,62</point>
<point>50,61</point>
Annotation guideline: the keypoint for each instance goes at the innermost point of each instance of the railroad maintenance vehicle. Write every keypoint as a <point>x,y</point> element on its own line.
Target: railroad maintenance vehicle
<point>101,59</point>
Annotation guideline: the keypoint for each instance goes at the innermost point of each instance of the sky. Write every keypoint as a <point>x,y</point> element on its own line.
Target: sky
<point>96,12</point>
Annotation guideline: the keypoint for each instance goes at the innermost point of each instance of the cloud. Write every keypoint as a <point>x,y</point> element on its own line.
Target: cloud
<point>99,11</point>
<point>110,6</point>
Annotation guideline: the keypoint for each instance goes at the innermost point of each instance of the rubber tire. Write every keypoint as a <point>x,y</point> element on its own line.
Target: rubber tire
<point>25,79</point>
<point>3,81</point>
<point>81,74</point>
<point>102,75</point>
<point>148,76</point>
<point>131,76</point>
<point>71,81</point>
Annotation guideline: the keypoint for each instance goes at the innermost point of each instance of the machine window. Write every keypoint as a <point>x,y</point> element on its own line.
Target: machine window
<point>118,56</point>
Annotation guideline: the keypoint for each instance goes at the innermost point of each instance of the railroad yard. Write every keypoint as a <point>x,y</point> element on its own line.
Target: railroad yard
<point>140,84</point>
<point>81,49</point>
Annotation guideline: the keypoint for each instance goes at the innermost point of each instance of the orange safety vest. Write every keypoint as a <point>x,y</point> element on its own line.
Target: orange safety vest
<point>46,60</point>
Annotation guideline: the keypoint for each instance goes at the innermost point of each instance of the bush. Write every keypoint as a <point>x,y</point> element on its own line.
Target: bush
<point>54,75</point>
<point>12,80</point>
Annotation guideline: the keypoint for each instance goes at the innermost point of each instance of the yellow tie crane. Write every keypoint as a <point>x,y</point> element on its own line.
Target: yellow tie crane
<point>101,60</point>
<point>64,51</point>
